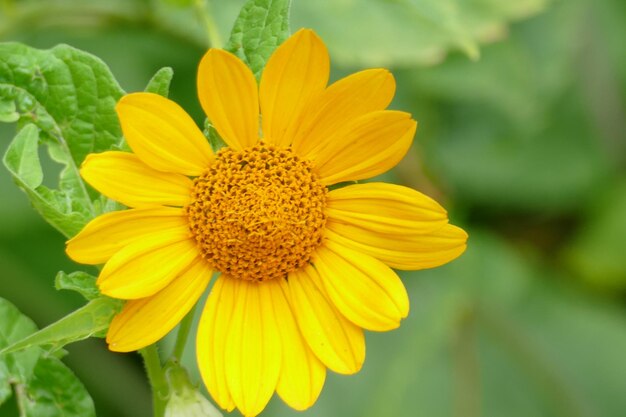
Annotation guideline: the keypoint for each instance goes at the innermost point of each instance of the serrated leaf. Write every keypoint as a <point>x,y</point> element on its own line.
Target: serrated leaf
<point>54,391</point>
<point>88,321</point>
<point>261,26</point>
<point>15,368</point>
<point>22,161</point>
<point>70,96</point>
<point>78,281</point>
<point>160,82</point>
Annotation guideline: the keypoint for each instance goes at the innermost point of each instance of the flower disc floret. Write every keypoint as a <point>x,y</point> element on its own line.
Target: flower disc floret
<point>258,213</point>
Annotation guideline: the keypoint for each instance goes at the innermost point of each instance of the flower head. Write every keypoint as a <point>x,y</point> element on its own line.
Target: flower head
<point>302,269</point>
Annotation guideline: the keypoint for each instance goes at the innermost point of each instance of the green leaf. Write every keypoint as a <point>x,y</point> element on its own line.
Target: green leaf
<point>262,25</point>
<point>15,368</point>
<point>78,281</point>
<point>88,321</point>
<point>54,391</point>
<point>7,112</point>
<point>22,161</point>
<point>408,32</point>
<point>70,96</point>
<point>160,82</point>
<point>213,137</point>
<point>596,253</point>
<point>43,385</point>
<point>22,158</point>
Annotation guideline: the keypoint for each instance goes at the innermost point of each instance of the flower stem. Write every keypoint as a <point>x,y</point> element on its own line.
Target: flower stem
<point>183,333</point>
<point>156,377</point>
<point>206,18</point>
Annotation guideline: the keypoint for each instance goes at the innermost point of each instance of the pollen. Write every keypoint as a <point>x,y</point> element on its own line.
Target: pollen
<point>258,213</point>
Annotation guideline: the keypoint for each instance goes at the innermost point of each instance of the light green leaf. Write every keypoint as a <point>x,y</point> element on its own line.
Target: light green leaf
<point>88,321</point>
<point>213,137</point>
<point>54,391</point>
<point>160,82</point>
<point>7,112</point>
<point>262,25</point>
<point>22,158</point>
<point>408,32</point>
<point>70,96</point>
<point>22,161</point>
<point>15,368</point>
<point>78,281</point>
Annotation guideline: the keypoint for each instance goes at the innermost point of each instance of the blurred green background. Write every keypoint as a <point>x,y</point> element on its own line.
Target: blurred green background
<point>522,111</point>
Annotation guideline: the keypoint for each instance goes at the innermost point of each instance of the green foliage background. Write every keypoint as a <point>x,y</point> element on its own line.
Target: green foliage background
<point>522,111</point>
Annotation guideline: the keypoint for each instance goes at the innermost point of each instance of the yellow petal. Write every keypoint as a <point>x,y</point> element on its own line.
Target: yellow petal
<point>211,340</point>
<point>124,178</point>
<point>337,342</point>
<point>388,209</point>
<point>365,147</point>
<point>296,73</point>
<point>253,348</point>
<point>163,135</point>
<point>407,252</point>
<point>229,96</point>
<point>302,374</point>
<point>343,101</point>
<point>364,289</point>
<point>109,233</point>
<point>145,267</point>
<point>147,320</point>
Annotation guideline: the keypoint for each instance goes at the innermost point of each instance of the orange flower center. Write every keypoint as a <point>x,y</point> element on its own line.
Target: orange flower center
<point>257,214</point>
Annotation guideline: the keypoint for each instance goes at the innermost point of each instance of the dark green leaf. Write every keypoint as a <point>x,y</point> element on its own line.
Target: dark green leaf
<point>160,82</point>
<point>262,25</point>
<point>78,281</point>
<point>597,252</point>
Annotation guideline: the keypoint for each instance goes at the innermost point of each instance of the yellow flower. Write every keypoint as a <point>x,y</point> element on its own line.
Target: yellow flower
<point>303,269</point>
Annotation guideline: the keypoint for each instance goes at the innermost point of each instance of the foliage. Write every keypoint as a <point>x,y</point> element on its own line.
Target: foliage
<point>521,110</point>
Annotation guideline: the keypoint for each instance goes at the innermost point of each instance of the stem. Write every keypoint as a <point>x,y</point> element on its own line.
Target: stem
<point>206,18</point>
<point>183,333</point>
<point>156,377</point>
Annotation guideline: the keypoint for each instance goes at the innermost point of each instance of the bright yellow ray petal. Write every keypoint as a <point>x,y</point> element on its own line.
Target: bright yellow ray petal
<point>364,289</point>
<point>365,147</point>
<point>409,252</point>
<point>147,320</point>
<point>211,340</point>
<point>386,209</point>
<point>124,178</point>
<point>229,96</point>
<point>351,97</point>
<point>296,73</point>
<point>145,267</point>
<point>302,374</point>
<point>163,135</point>
<point>109,233</point>
<point>253,348</point>
<point>336,341</point>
